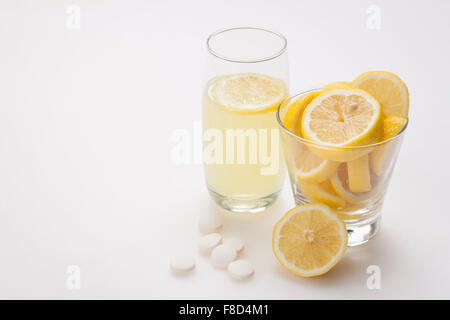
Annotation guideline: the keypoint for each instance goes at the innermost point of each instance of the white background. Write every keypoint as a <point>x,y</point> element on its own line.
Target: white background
<point>86,172</point>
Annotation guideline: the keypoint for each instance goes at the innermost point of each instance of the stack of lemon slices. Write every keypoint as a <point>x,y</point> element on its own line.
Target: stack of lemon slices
<point>310,239</point>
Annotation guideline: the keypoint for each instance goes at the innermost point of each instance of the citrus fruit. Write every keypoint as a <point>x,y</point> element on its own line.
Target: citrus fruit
<point>340,183</point>
<point>309,240</point>
<point>293,118</point>
<point>392,125</point>
<point>388,89</point>
<point>248,93</point>
<point>337,85</point>
<point>321,193</point>
<point>359,174</point>
<point>342,118</point>
<point>310,167</point>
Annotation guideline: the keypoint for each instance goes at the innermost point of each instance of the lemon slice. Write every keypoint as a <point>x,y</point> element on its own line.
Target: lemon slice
<point>309,240</point>
<point>388,89</point>
<point>310,167</point>
<point>391,127</point>
<point>293,118</point>
<point>248,93</point>
<point>321,193</point>
<point>340,183</point>
<point>359,174</point>
<point>337,85</point>
<point>343,117</point>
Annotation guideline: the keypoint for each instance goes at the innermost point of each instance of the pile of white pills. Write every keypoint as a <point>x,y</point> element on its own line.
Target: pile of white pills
<point>222,252</point>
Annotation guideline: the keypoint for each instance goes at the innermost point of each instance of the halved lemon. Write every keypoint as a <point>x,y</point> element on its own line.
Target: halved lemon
<point>310,167</point>
<point>342,118</point>
<point>309,240</point>
<point>248,93</point>
<point>293,118</point>
<point>388,89</point>
<point>391,127</point>
<point>321,193</point>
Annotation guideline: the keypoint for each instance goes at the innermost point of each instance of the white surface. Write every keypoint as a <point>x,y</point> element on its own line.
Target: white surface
<point>87,178</point>
<point>209,223</point>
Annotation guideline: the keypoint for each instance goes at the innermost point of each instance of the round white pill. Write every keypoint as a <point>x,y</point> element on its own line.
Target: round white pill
<point>241,269</point>
<point>209,242</point>
<point>222,255</point>
<point>209,224</point>
<point>182,263</point>
<point>235,242</point>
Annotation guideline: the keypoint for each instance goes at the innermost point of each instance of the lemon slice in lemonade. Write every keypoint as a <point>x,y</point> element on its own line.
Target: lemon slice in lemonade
<point>248,93</point>
<point>309,240</point>
<point>388,89</point>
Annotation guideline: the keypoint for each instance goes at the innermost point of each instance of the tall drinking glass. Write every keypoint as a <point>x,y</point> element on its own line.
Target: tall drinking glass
<point>246,79</point>
<point>335,168</point>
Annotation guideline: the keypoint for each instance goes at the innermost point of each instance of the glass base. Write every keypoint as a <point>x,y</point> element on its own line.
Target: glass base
<point>362,231</point>
<point>244,205</point>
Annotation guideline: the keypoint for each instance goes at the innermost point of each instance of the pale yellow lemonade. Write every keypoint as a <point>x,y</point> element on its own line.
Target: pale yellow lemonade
<point>241,148</point>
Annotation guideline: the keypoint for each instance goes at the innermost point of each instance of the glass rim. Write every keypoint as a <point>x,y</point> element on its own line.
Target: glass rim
<point>229,59</point>
<point>323,145</point>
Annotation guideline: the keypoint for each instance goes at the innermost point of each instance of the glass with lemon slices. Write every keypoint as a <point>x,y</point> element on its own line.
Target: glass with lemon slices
<point>247,79</point>
<point>341,143</point>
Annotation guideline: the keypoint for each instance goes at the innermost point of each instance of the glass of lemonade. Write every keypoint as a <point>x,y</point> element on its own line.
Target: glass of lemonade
<point>351,180</point>
<point>246,79</point>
